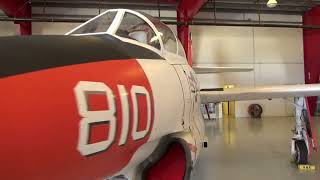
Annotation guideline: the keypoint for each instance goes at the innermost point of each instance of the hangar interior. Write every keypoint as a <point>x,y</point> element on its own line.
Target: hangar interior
<point>278,43</point>
<point>276,54</point>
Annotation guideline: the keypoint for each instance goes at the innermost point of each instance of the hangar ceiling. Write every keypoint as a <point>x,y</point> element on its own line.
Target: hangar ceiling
<point>41,10</point>
<point>243,6</point>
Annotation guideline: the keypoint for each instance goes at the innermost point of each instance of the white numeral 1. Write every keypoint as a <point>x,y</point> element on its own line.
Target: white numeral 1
<point>125,114</point>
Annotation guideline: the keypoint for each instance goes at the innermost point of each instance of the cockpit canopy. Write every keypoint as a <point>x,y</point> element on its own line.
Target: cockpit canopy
<point>135,27</point>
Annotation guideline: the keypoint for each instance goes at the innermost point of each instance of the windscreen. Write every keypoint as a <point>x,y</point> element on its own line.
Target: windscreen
<point>97,25</point>
<point>133,27</point>
<point>168,38</point>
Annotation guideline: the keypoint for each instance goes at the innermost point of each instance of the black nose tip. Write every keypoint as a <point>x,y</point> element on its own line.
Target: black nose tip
<point>21,54</point>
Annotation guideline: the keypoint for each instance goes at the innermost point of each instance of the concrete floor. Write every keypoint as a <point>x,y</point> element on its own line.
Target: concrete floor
<point>257,149</point>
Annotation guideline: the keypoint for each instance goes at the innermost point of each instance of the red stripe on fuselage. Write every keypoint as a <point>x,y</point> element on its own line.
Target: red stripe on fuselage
<point>40,122</point>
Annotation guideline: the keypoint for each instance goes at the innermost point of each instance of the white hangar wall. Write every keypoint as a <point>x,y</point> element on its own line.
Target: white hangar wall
<point>275,53</point>
<point>7,28</point>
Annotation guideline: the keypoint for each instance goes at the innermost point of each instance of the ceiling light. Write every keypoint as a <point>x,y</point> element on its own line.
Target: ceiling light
<point>272,3</point>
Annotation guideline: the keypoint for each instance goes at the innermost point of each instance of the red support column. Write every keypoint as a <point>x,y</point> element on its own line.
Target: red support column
<point>190,7</point>
<point>183,32</point>
<point>25,27</point>
<point>18,9</point>
<point>186,10</point>
<point>311,42</point>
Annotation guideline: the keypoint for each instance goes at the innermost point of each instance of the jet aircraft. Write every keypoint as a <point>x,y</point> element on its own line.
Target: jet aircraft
<point>113,97</point>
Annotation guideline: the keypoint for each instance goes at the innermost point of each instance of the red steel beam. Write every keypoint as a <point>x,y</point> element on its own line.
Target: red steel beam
<point>25,27</point>
<point>189,8</point>
<point>18,9</point>
<point>183,32</point>
<point>186,10</point>
<point>311,43</point>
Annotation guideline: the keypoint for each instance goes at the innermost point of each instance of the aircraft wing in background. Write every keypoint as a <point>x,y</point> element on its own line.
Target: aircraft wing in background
<point>304,129</point>
<point>265,92</point>
<point>201,69</point>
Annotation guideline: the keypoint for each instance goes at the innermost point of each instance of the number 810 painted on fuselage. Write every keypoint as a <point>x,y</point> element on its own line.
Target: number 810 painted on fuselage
<point>85,88</point>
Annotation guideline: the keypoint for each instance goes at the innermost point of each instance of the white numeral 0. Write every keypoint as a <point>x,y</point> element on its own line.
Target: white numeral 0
<point>141,91</point>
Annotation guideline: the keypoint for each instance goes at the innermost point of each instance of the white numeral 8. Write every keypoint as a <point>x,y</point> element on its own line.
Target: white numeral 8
<point>82,90</point>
